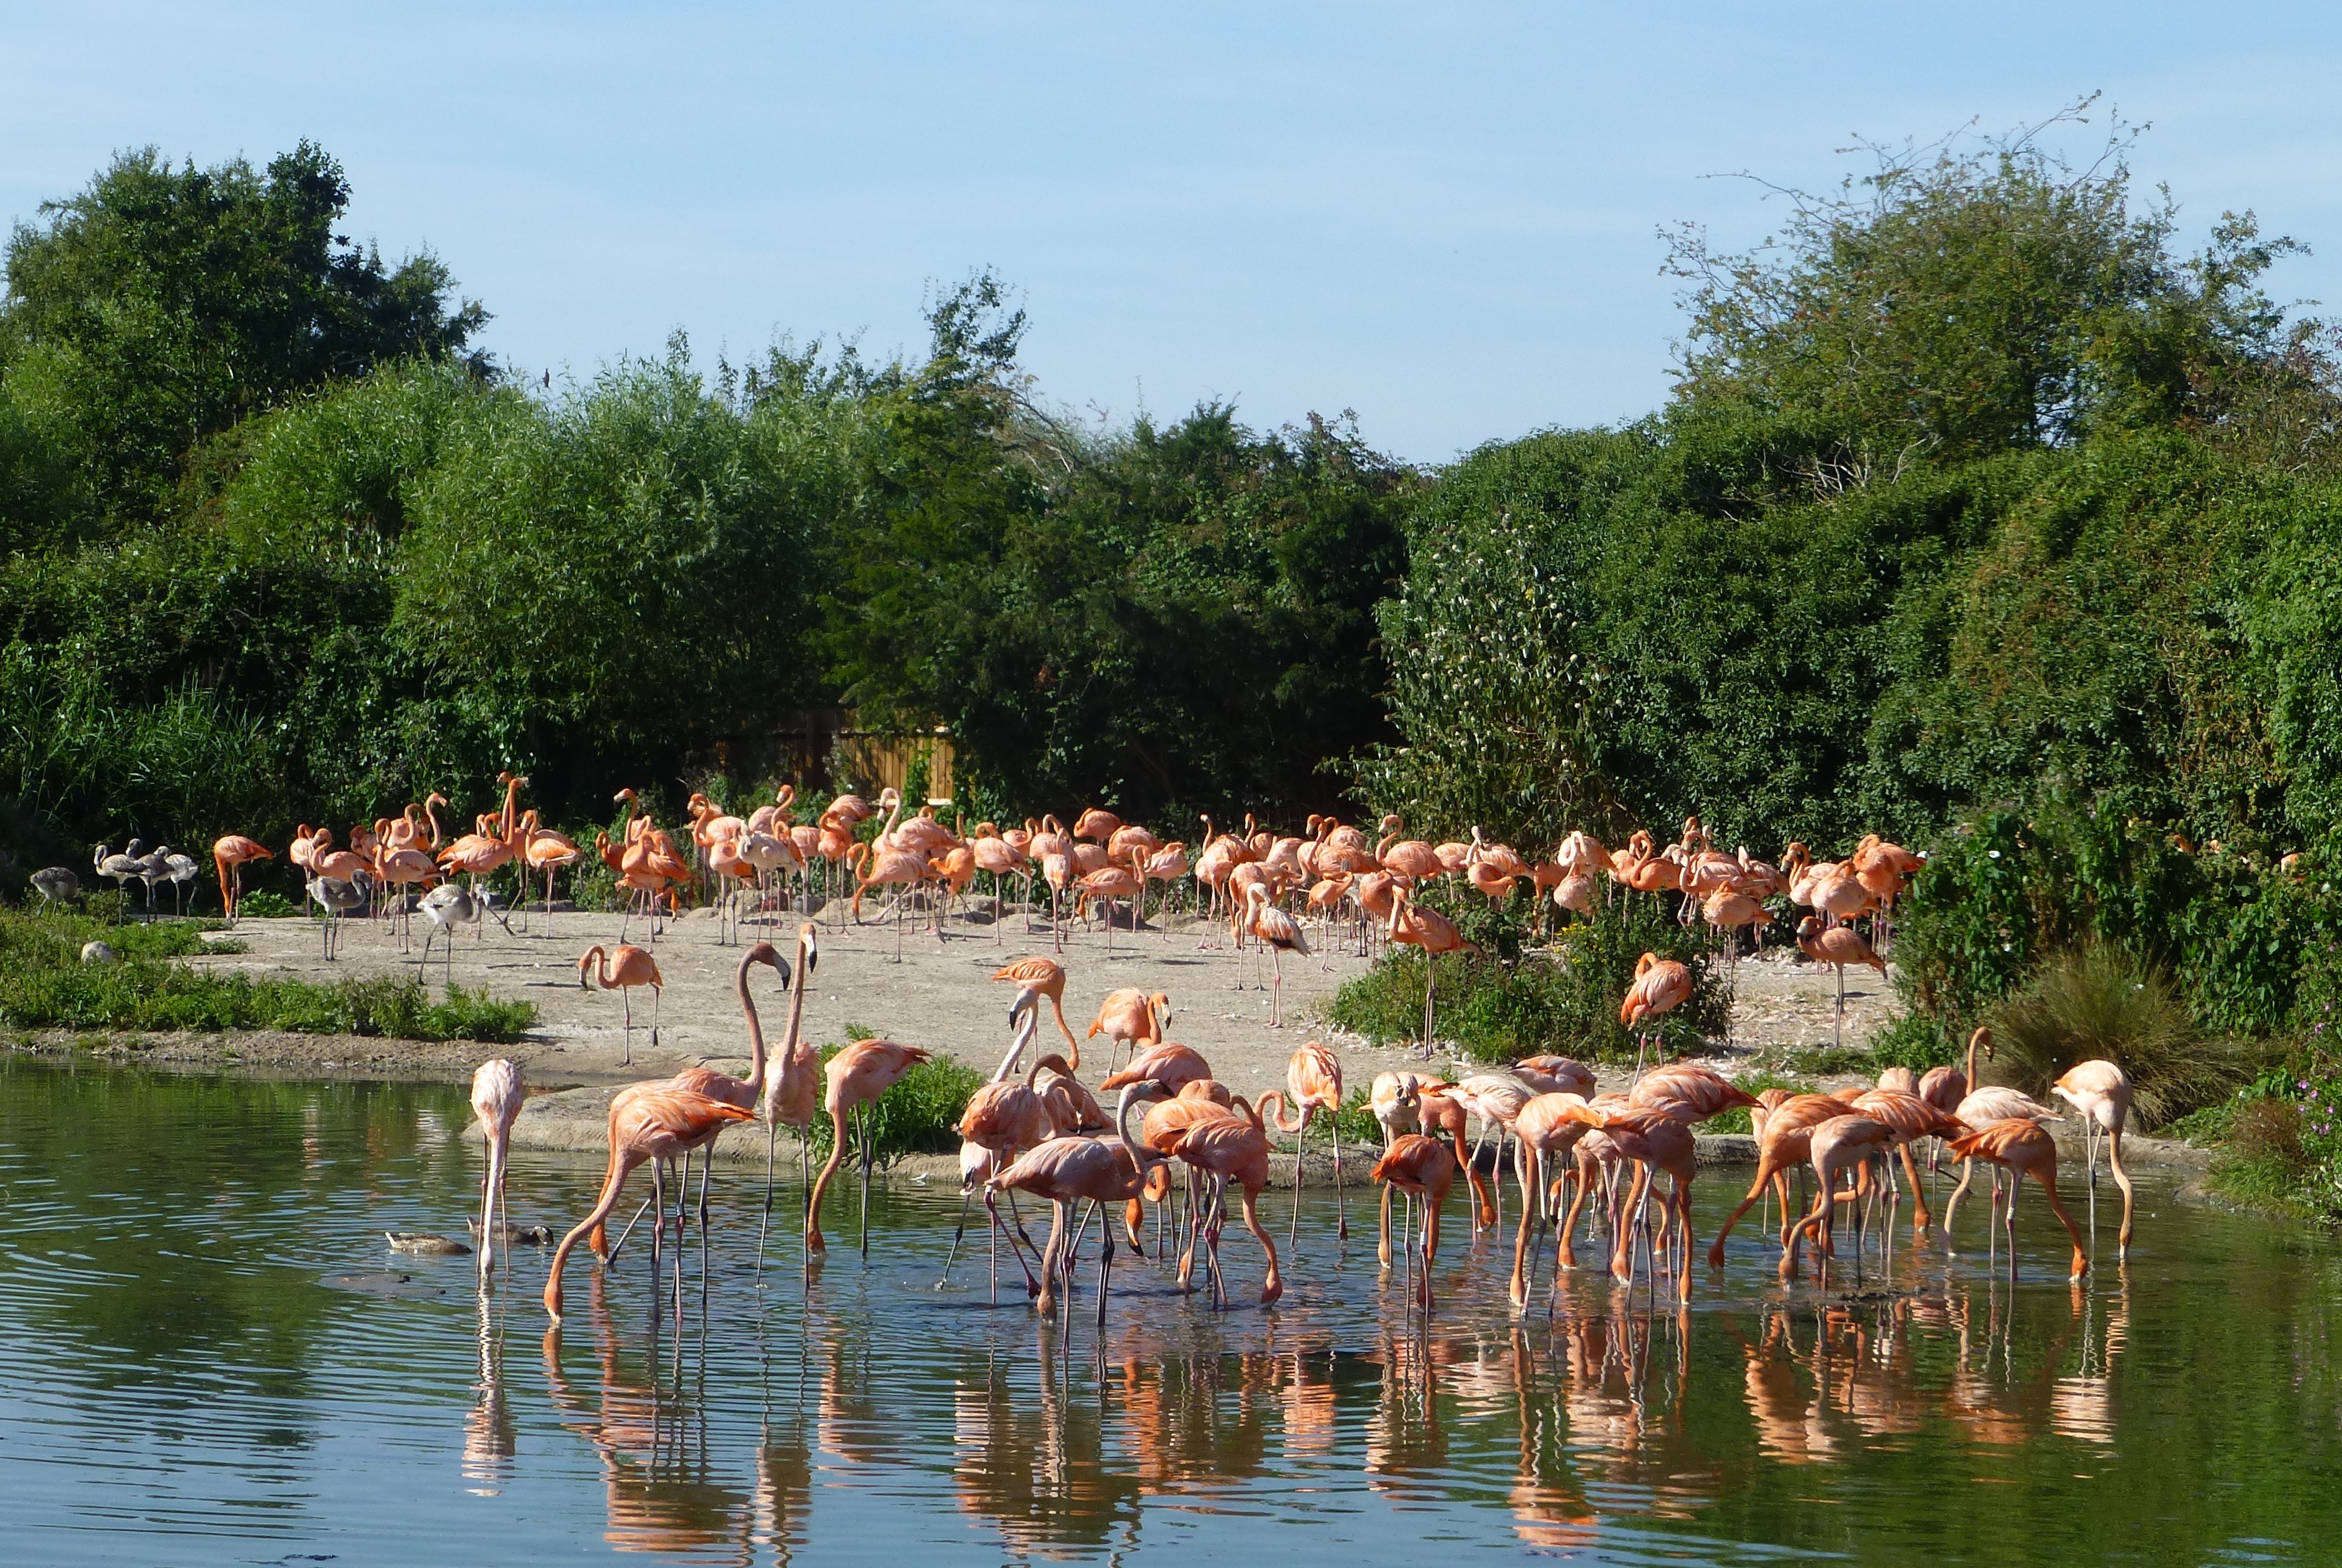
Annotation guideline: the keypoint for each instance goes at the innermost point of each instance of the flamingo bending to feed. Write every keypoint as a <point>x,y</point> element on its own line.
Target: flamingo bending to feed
<point>1837,1145</point>
<point>1004,1118</point>
<point>856,1076</point>
<point>2023,1148</point>
<point>497,1094</point>
<point>621,972</point>
<point>1065,1171</point>
<point>1423,1169</point>
<point>659,1123</point>
<point>1231,1149</point>
<point>2100,1093</point>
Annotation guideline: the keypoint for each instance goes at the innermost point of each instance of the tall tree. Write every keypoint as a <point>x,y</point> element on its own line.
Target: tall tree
<point>163,304</point>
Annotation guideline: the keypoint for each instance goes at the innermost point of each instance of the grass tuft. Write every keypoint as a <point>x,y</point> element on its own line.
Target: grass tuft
<point>2099,1001</point>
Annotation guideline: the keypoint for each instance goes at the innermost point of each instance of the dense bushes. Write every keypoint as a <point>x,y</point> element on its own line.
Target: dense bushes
<point>1502,1005</point>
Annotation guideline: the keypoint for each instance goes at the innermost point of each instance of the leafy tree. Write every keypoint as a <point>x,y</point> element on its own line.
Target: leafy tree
<point>1956,302</point>
<point>164,303</point>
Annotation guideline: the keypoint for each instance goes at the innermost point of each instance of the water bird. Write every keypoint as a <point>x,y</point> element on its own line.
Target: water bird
<point>56,884</point>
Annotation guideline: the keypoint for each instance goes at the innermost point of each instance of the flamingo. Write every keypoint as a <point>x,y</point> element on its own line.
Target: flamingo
<point>1836,945</point>
<point>1656,1140</point>
<point>339,896</point>
<point>1065,1171</point>
<point>1429,930</point>
<point>1659,986</point>
<point>1784,1139</point>
<point>1422,1168</point>
<point>1231,1149</point>
<point>56,884</point>
<point>1839,1145</point>
<point>1281,934</point>
<point>1313,1077</point>
<point>657,1124</point>
<point>1045,977</point>
<point>903,868</point>
<point>1131,1018</point>
<point>547,851</point>
<point>497,1094</point>
<point>1173,1064</point>
<point>1556,1075</point>
<point>1546,1132</point>
<point>1907,1118</point>
<point>445,906</point>
<point>622,970</point>
<point>1002,1120</point>
<point>856,1076</point>
<point>2100,1093</point>
<point>2023,1148</point>
<point>229,853</point>
<point>792,1080</point>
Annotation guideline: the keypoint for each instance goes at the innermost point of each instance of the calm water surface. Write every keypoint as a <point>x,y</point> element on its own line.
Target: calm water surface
<point>209,1358</point>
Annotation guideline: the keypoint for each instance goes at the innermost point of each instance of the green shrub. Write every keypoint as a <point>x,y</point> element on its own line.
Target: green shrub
<point>2099,1003</point>
<point>1915,1039</point>
<point>263,903</point>
<point>919,1114</point>
<point>43,985</point>
<point>1497,1010</point>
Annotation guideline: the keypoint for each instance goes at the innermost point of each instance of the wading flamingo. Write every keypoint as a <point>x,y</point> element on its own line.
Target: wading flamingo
<point>2100,1093</point>
<point>657,1124</point>
<point>856,1076</point>
<point>1065,1171</point>
<point>2023,1148</point>
<point>497,1094</point>
<point>792,1087</point>
<point>1423,1169</point>
<point>1313,1078</point>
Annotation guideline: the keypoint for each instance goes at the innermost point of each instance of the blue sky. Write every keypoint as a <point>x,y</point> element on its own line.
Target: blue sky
<point>1443,217</point>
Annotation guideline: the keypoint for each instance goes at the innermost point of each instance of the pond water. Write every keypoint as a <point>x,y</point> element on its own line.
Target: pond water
<point>211,1356</point>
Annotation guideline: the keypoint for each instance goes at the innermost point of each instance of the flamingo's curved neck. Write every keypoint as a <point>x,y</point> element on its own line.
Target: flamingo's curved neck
<point>755,1026</point>
<point>1027,1022</point>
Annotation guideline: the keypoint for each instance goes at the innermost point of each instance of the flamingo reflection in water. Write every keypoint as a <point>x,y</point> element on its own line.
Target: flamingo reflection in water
<point>1035,1467</point>
<point>659,1489</point>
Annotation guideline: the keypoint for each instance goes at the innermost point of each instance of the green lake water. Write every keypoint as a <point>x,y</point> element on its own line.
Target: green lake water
<point>210,1357</point>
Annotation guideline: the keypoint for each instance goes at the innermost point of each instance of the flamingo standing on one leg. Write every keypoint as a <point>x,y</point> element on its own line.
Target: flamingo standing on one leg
<point>1281,934</point>
<point>229,853</point>
<point>1429,930</point>
<point>621,972</point>
<point>856,1076</point>
<point>1838,946</point>
<point>656,1124</point>
<point>497,1094</point>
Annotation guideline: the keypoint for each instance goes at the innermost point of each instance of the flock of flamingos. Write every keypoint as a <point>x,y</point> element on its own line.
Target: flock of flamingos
<point>1043,1133</point>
